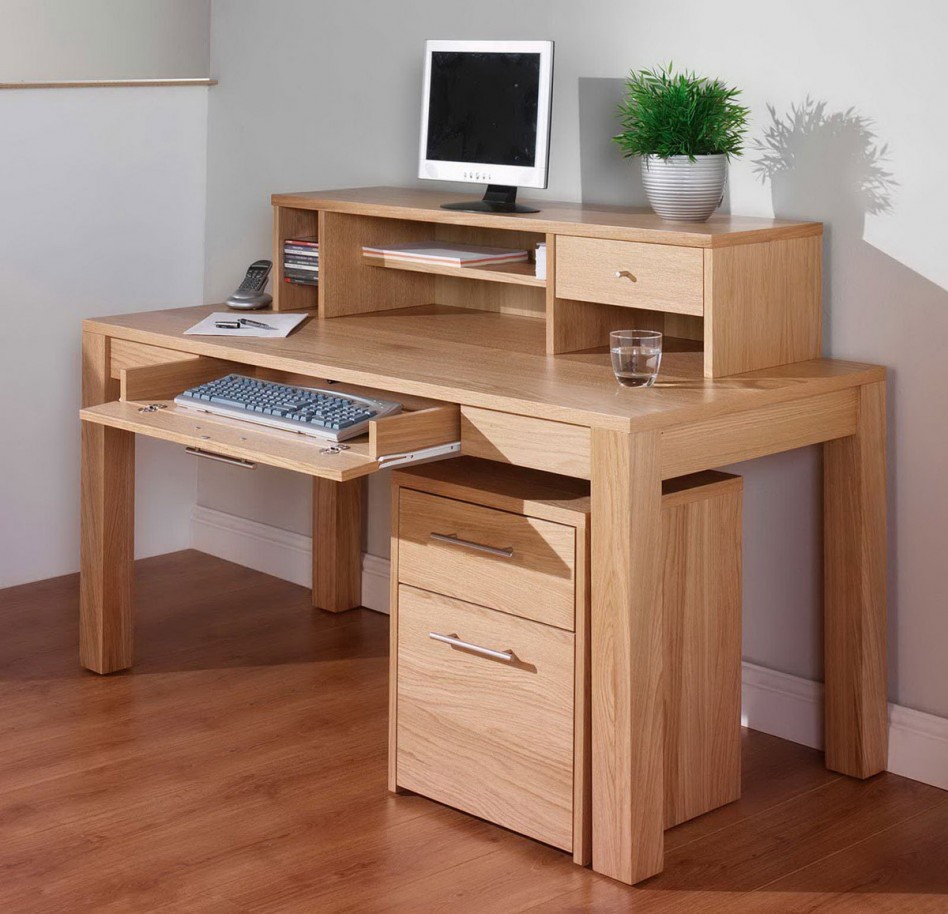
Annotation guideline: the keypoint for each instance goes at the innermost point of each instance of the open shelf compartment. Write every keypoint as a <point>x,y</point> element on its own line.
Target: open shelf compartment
<point>292,223</point>
<point>520,273</point>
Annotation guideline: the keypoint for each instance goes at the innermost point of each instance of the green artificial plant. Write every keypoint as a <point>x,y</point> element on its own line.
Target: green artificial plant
<point>668,114</point>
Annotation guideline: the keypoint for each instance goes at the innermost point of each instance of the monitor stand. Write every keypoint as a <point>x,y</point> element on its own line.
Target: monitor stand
<point>498,198</point>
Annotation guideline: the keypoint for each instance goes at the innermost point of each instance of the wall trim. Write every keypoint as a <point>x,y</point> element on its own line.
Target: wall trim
<point>272,550</point>
<point>111,83</point>
<point>773,702</point>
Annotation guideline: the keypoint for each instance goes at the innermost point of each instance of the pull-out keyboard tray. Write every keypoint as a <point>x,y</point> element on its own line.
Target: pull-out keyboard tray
<point>424,430</point>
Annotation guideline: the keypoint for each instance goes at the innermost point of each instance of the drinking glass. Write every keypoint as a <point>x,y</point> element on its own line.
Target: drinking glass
<point>636,356</point>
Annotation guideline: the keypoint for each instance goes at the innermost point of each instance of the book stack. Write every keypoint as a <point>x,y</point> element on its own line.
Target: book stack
<point>301,261</point>
<point>453,255</point>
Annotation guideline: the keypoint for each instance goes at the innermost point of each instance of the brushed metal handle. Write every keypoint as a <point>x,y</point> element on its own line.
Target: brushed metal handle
<point>627,275</point>
<point>233,461</point>
<point>455,641</point>
<point>454,540</point>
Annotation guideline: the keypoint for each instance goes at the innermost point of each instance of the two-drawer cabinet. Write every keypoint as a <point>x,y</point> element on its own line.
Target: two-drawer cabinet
<point>490,645</point>
<point>490,621</point>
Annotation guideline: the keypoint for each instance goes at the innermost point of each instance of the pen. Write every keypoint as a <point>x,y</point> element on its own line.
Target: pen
<point>240,323</point>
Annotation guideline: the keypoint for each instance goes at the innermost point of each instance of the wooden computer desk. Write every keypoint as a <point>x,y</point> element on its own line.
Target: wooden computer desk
<point>491,379</point>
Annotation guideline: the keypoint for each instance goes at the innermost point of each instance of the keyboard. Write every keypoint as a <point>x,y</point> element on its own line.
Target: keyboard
<point>307,410</point>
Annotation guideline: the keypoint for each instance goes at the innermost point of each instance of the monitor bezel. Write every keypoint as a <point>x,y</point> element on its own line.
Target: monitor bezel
<point>486,172</point>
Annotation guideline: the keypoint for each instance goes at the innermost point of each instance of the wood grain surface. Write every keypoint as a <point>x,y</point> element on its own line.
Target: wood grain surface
<point>537,580</point>
<point>855,612</point>
<point>107,524</point>
<point>494,739</point>
<point>240,440</point>
<point>621,223</point>
<point>651,277</point>
<point>493,361</point>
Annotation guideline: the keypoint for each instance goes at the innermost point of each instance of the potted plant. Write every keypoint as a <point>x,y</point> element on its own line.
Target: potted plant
<point>686,128</point>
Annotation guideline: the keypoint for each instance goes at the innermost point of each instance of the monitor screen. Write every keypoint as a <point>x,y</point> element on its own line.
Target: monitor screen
<point>483,108</point>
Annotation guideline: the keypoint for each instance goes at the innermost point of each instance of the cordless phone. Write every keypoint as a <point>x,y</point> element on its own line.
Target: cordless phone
<point>249,295</point>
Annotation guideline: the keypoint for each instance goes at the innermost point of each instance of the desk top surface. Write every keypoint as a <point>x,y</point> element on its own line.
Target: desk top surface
<point>493,361</point>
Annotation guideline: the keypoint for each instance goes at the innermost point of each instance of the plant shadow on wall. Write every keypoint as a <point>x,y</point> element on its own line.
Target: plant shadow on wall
<point>827,167</point>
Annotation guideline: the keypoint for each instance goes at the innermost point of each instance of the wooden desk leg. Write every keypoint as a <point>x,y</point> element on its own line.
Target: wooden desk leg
<point>337,544</point>
<point>627,712</point>
<point>854,506</point>
<point>107,518</point>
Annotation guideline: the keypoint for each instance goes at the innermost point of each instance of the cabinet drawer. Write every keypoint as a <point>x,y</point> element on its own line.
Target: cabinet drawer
<point>653,277</point>
<point>490,737</point>
<point>509,562</point>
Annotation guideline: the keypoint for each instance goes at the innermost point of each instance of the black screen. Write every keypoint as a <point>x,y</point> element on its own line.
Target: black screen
<point>482,108</point>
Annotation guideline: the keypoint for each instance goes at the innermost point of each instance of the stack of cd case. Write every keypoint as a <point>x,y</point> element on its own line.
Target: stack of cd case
<point>301,261</point>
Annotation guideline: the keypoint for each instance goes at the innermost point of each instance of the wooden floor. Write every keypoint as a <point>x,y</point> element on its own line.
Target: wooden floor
<point>241,767</point>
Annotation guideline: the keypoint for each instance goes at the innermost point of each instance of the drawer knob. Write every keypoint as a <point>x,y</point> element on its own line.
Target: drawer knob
<point>452,539</point>
<point>627,275</point>
<point>455,641</point>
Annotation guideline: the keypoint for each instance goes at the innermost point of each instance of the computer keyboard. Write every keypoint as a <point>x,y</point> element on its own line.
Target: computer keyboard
<point>306,410</point>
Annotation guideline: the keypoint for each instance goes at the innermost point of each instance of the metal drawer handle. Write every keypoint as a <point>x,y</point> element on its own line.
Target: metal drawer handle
<point>453,539</point>
<point>455,641</point>
<point>627,275</point>
<point>233,461</point>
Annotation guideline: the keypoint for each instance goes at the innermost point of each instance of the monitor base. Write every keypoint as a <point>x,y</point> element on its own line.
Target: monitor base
<point>498,198</point>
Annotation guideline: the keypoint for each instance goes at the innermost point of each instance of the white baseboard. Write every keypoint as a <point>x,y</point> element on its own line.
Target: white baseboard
<point>776,703</point>
<point>259,546</point>
<point>792,708</point>
<point>786,706</point>
<point>278,552</point>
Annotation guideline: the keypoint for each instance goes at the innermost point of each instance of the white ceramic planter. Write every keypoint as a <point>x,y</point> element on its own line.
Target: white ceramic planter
<point>680,190</point>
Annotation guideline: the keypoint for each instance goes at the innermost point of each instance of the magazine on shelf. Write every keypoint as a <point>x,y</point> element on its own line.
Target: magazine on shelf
<point>455,255</point>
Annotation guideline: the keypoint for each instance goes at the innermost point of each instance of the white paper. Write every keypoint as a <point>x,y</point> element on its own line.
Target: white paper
<point>541,260</point>
<point>283,324</point>
<point>449,254</point>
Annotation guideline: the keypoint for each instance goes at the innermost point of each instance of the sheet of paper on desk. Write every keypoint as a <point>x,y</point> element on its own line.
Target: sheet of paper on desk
<point>283,324</point>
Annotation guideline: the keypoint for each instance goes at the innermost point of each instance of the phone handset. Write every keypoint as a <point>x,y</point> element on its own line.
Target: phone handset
<point>249,295</point>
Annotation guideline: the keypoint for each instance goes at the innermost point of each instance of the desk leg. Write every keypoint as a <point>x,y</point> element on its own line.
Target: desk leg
<point>854,506</point>
<point>337,544</point>
<point>626,662</point>
<point>107,518</point>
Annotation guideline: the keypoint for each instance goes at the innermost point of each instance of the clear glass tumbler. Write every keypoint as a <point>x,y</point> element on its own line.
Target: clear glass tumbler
<point>636,356</point>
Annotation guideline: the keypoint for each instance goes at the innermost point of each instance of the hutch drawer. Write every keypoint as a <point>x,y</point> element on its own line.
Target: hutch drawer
<point>653,277</point>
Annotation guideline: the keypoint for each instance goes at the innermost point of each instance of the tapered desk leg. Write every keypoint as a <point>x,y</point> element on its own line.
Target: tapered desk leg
<point>627,712</point>
<point>107,518</point>
<point>854,506</point>
<point>337,544</point>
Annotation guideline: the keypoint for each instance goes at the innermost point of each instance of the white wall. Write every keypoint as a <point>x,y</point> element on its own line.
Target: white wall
<point>102,194</point>
<point>64,40</point>
<point>322,95</point>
